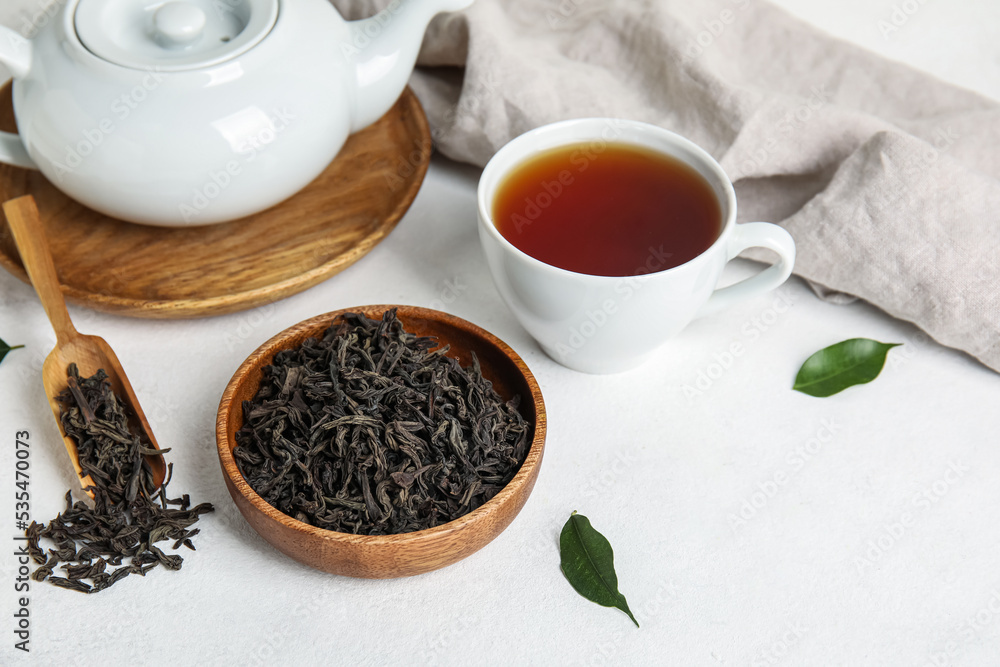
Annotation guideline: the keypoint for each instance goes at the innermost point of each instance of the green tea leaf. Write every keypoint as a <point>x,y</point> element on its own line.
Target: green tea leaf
<point>588,561</point>
<point>5,348</point>
<point>835,368</point>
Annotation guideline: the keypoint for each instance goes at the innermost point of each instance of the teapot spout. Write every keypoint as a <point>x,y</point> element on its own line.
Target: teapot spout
<point>383,51</point>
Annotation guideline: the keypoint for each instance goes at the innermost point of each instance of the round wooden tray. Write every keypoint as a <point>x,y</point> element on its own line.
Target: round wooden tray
<point>155,272</point>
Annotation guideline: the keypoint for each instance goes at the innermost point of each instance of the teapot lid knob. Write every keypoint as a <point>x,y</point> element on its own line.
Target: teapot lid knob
<point>175,35</point>
<point>179,23</point>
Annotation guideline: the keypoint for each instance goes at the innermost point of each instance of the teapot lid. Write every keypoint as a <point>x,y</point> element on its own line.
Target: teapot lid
<point>175,35</point>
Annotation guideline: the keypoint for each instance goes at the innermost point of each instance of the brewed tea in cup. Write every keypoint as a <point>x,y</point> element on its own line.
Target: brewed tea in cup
<point>622,211</point>
<point>606,237</point>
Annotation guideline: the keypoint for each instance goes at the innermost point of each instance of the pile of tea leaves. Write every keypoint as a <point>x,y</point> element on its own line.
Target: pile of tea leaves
<point>372,431</point>
<point>130,513</point>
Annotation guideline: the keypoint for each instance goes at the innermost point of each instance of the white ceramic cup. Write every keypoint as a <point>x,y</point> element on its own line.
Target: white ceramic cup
<point>601,324</point>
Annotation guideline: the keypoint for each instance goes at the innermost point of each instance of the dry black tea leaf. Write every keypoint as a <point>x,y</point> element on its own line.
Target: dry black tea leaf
<point>130,513</point>
<point>371,430</point>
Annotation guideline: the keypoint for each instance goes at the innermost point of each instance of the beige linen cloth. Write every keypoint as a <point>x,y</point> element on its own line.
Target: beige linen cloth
<point>886,177</point>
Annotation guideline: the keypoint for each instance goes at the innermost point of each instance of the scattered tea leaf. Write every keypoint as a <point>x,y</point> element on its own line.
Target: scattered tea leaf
<point>5,348</point>
<point>588,561</point>
<point>835,368</point>
<point>130,512</point>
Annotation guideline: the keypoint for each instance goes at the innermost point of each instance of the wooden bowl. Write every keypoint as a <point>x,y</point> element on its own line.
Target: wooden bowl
<point>388,556</point>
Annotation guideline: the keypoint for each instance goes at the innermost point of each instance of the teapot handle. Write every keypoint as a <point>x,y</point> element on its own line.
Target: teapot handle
<point>12,152</point>
<point>15,53</point>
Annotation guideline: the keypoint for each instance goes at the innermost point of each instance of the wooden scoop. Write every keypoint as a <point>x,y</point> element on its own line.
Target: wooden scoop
<point>90,353</point>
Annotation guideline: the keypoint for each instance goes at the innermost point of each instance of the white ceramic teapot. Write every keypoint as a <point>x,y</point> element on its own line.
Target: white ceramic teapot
<point>194,112</point>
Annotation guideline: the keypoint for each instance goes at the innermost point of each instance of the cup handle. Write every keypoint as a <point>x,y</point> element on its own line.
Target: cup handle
<point>13,152</point>
<point>754,235</point>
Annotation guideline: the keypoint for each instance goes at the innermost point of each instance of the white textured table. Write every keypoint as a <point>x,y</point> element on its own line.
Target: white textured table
<point>752,524</point>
